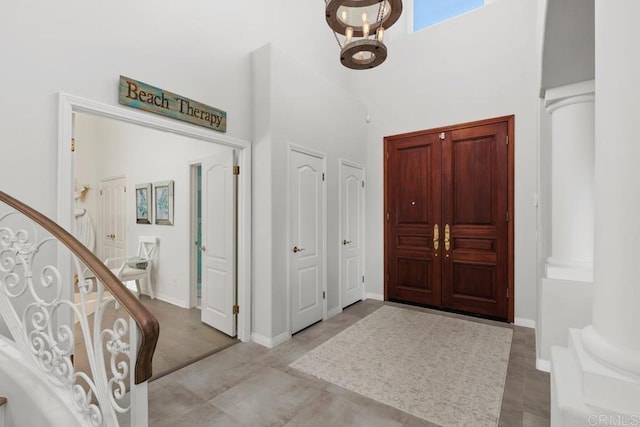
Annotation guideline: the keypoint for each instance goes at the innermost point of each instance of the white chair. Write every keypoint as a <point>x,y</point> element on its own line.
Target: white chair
<point>134,268</point>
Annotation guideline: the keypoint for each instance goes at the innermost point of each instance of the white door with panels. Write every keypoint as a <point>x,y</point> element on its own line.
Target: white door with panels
<point>113,209</point>
<point>351,233</point>
<point>307,245</point>
<point>218,308</point>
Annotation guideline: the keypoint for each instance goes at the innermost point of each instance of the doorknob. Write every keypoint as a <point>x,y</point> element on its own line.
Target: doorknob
<point>346,242</point>
<point>297,249</point>
<point>204,249</point>
<point>436,237</point>
<point>447,237</point>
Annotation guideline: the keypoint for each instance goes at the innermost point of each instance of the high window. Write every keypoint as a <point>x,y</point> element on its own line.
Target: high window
<point>429,12</point>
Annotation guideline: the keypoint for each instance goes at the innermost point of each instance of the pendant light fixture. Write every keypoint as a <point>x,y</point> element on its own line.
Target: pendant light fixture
<point>361,25</point>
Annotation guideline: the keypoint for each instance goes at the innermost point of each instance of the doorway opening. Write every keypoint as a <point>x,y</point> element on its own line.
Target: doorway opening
<point>449,233</point>
<point>196,216</point>
<point>70,109</point>
<point>214,239</point>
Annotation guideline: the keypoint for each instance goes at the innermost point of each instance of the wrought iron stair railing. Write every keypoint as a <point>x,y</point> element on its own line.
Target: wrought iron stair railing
<point>102,359</point>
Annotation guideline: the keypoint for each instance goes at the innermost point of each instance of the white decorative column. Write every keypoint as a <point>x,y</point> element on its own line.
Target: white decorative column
<point>572,121</point>
<point>597,380</point>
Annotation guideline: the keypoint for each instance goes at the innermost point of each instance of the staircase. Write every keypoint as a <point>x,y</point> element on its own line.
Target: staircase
<point>62,361</point>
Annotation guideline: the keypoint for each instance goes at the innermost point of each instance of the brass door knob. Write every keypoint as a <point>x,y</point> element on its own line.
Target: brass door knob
<point>447,237</point>
<point>436,237</point>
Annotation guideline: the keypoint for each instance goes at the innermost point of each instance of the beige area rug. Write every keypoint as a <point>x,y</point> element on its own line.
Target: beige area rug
<point>447,371</point>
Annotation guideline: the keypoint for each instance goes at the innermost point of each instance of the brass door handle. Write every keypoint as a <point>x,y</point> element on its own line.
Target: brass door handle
<point>297,249</point>
<point>436,237</point>
<point>447,237</point>
<point>346,242</point>
<point>204,249</point>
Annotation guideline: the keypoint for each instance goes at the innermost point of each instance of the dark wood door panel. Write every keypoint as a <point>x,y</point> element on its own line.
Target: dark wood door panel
<point>411,167</point>
<point>474,288</point>
<point>412,203</point>
<point>475,203</point>
<point>471,180</point>
<point>414,281</point>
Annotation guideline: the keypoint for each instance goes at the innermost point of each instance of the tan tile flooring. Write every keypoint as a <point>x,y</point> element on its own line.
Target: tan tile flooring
<point>250,385</point>
<point>183,337</point>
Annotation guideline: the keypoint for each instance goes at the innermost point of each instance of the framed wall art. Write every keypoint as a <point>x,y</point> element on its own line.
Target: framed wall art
<point>143,203</point>
<point>163,196</point>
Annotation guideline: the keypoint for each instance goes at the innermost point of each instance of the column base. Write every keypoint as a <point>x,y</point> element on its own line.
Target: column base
<point>564,304</point>
<point>585,392</point>
<point>576,272</point>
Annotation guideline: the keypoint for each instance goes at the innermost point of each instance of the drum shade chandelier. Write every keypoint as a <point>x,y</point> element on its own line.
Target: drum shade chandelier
<point>359,27</point>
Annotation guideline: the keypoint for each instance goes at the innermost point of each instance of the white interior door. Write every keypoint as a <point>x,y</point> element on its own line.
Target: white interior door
<point>351,233</point>
<point>219,242</point>
<point>307,200</point>
<point>113,208</point>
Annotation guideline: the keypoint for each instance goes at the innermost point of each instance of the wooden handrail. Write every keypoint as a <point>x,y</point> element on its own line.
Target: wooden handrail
<point>147,322</point>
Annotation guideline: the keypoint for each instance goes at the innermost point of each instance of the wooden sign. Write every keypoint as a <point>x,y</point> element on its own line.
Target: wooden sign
<point>149,98</point>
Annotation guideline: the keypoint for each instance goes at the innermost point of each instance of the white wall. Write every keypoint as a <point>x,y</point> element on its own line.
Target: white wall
<point>476,66</point>
<point>304,109</point>
<point>479,65</point>
<point>107,148</point>
<point>199,49</point>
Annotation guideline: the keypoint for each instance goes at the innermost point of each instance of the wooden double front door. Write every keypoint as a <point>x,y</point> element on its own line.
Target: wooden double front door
<point>448,218</point>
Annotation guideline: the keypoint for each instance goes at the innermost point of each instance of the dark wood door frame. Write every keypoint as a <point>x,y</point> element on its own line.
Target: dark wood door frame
<point>510,122</point>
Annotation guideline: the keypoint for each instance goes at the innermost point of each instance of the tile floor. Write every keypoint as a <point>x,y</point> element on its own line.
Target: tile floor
<point>183,337</point>
<point>250,385</point>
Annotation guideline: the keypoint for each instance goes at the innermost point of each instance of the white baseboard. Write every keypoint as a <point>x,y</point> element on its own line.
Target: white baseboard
<point>378,297</point>
<point>526,323</point>
<point>170,300</point>
<point>270,342</point>
<point>543,365</point>
<point>333,312</point>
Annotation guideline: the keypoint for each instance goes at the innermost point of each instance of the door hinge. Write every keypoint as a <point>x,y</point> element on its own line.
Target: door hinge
<point>236,170</point>
<point>124,189</point>
<point>323,176</point>
<point>362,279</point>
<point>387,155</point>
<point>363,184</point>
<point>236,309</point>
<point>73,145</point>
<point>324,295</point>
<point>507,216</point>
<point>507,293</point>
<point>507,139</point>
<point>387,216</point>
<point>101,192</point>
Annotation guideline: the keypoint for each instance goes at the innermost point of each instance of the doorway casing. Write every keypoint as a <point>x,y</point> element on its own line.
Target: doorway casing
<point>70,104</point>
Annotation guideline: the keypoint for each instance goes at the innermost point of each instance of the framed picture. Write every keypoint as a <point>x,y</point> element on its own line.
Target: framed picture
<point>143,203</point>
<point>163,202</point>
